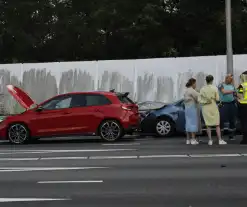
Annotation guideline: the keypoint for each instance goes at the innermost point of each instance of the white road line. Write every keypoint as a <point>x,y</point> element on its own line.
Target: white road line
<point>123,157</point>
<point>162,156</point>
<point>62,151</point>
<point>65,182</point>
<point>121,144</point>
<point>64,158</point>
<point>90,150</point>
<point>215,155</point>
<point>30,169</point>
<point>19,159</point>
<point>9,200</point>
<point>112,157</point>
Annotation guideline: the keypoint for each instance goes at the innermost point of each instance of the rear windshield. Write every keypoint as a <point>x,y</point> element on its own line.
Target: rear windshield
<point>125,99</point>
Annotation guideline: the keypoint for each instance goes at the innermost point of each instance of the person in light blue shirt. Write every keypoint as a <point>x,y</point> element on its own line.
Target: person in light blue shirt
<point>228,105</point>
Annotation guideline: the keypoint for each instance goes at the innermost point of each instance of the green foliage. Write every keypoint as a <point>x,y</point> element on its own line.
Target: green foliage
<point>55,30</point>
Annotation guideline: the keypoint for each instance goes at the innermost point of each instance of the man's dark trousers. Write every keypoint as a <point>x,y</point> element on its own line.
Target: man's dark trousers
<point>228,113</point>
<point>243,121</point>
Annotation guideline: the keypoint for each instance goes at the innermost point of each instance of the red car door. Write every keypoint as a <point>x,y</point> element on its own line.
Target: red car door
<point>54,117</point>
<point>88,112</point>
<point>97,106</point>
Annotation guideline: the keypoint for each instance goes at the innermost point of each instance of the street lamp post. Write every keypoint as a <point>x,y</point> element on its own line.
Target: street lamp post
<point>229,52</point>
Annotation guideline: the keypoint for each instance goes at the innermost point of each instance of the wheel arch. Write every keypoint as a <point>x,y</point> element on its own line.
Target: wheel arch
<point>166,116</point>
<point>17,122</point>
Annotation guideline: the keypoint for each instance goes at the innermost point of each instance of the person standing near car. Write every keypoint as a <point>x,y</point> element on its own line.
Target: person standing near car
<point>208,97</point>
<point>242,103</point>
<point>192,112</point>
<point>228,105</point>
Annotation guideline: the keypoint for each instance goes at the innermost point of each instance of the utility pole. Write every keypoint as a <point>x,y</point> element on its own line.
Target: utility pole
<point>229,52</point>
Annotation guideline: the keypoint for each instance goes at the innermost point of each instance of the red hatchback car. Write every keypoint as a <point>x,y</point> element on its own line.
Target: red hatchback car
<point>107,114</point>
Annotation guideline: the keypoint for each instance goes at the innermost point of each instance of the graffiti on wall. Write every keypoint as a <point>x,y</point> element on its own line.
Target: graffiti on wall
<point>161,79</point>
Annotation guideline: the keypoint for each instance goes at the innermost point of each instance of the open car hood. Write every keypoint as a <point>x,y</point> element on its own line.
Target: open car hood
<point>21,96</point>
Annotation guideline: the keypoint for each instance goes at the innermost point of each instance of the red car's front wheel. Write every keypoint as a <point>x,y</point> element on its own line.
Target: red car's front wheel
<point>18,133</point>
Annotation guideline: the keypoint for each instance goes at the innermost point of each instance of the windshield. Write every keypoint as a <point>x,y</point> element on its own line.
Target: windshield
<point>179,102</point>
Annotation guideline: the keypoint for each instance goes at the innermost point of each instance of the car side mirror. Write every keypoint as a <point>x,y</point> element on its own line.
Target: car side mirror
<point>39,109</point>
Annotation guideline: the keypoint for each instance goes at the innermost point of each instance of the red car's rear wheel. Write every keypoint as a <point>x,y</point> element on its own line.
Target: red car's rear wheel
<point>110,130</point>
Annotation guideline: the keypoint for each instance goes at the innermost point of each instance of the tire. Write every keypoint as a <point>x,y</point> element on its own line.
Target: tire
<point>110,130</point>
<point>164,127</point>
<point>18,133</point>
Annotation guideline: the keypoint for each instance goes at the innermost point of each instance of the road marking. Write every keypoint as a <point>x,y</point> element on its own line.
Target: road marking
<point>121,144</point>
<point>65,182</point>
<point>30,169</point>
<point>215,155</point>
<point>64,158</point>
<point>112,157</point>
<point>19,159</point>
<point>61,151</point>
<point>162,156</point>
<point>124,157</point>
<point>8,200</point>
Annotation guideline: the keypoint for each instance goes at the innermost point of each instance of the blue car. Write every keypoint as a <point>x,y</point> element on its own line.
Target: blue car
<point>165,120</point>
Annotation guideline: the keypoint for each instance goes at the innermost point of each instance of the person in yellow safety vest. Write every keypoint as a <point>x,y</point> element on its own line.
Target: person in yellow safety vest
<point>242,104</point>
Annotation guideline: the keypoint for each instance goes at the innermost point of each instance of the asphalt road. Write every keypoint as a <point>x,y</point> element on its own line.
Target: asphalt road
<point>133,173</point>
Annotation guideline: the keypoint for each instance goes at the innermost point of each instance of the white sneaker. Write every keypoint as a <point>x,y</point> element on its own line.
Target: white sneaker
<point>187,141</point>
<point>222,142</point>
<point>210,142</point>
<point>194,142</point>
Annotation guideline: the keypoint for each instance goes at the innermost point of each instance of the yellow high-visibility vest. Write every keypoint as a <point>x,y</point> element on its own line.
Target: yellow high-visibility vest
<point>242,89</point>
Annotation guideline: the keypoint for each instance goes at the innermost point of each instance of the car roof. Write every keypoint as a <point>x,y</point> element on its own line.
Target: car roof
<point>89,92</point>
<point>105,93</point>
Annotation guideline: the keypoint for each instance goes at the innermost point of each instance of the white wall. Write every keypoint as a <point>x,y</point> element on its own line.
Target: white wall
<point>161,79</point>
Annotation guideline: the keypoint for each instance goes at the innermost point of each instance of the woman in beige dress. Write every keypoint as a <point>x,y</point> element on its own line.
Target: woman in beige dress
<point>208,98</point>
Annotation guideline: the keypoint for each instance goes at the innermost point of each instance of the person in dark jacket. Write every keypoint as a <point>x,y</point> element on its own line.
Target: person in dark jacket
<point>242,103</point>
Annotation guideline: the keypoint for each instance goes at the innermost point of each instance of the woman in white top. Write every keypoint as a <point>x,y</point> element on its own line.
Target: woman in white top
<point>192,112</point>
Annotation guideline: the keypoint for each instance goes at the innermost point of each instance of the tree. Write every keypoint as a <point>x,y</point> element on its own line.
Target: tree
<point>55,30</point>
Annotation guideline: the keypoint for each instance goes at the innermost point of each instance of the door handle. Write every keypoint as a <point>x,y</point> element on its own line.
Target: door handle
<point>97,110</point>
